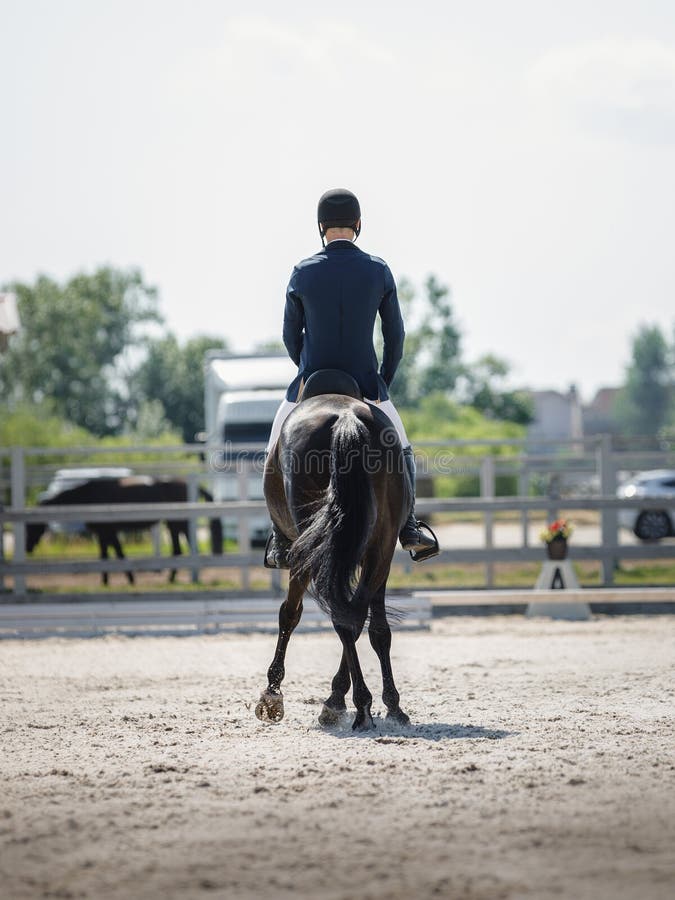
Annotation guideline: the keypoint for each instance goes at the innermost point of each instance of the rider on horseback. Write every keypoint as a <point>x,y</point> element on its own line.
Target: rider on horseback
<point>332,301</point>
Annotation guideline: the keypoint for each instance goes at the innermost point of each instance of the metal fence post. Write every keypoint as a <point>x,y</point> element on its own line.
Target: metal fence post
<point>609,518</point>
<point>275,582</point>
<point>243,525</point>
<point>523,490</point>
<point>18,489</point>
<point>487,492</point>
<point>192,495</point>
<point>553,494</point>
<point>156,534</point>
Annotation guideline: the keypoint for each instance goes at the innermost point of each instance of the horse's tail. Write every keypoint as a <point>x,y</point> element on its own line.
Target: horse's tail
<point>215,525</point>
<point>334,537</point>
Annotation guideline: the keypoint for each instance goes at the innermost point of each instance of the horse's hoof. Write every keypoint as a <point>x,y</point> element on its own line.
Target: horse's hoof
<point>397,715</point>
<point>329,716</point>
<point>363,721</point>
<point>270,707</point>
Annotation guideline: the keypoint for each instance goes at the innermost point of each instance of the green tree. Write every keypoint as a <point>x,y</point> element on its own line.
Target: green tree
<point>174,375</point>
<point>440,341</point>
<point>438,417</point>
<point>38,426</point>
<point>432,360</point>
<point>149,423</point>
<point>432,355</point>
<point>483,390</point>
<point>404,387</point>
<point>644,401</point>
<point>71,345</point>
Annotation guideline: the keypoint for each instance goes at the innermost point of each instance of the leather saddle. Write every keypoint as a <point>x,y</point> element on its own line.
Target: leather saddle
<point>331,381</point>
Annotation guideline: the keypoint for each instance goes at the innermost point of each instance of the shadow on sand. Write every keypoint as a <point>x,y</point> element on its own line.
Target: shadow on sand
<point>386,732</point>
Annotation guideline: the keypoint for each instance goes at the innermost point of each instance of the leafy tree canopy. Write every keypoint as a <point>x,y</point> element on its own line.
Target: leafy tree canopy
<point>483,389</point>
<point>644,405</point>
<point>432,360</point>
<point>173,375</point>
<point>71,343</point>
<point>437,417</point>
<point>39,426</point>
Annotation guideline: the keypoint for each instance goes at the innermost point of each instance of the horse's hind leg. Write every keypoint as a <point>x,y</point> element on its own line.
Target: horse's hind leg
<point>174,531</point>
<point>270,707</point>
<point>103,554</point>
<point>379,633</point>
<point>360,694</point>
<point>335,705</point>
<point>117,547</point>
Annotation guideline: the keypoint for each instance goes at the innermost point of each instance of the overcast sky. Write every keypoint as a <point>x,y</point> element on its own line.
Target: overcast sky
<point>523,151</point>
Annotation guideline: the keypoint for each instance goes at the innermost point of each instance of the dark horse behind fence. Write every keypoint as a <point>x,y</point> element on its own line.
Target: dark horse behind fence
<point>335,486</point>
<point>135,489</point>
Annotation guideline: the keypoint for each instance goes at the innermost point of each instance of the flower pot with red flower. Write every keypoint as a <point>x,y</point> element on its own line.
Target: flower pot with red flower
<point>555,537</point>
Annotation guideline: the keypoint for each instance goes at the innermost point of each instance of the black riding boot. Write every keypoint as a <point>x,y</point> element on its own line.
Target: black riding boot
<point>412,537</point>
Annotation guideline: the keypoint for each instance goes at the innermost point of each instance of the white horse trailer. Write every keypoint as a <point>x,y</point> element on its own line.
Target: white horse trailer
<point>242,395</point>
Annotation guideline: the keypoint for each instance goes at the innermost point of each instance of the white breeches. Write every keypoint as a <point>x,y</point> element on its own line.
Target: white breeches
<point>386,406</point>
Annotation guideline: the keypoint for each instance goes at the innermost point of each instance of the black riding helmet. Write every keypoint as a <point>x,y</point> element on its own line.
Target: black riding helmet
<point>338,208</point>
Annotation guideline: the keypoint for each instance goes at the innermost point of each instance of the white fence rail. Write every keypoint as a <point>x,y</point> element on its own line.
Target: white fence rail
<point>178,616</point>
<point>593,465</point>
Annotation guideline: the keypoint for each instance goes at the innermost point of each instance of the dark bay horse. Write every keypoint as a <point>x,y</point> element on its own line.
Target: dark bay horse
<point>135,489</point>
<point>335,486</point>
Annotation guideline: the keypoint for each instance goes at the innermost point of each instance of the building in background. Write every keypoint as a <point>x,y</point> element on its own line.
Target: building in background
<point>599,416</point>
<point>557,417</point>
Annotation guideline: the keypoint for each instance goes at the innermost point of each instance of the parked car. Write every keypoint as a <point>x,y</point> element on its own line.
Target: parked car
<point>650,524</point>
<point>64,479</point>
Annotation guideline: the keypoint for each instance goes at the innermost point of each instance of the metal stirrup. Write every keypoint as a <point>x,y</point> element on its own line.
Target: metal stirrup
<point>426,552</point>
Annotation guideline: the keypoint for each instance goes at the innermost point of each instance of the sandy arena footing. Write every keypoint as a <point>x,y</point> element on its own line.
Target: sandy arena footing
<point>540,763</point>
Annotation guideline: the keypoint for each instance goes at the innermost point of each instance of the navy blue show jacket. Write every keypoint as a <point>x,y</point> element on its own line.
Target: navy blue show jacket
<point>332,301</point>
